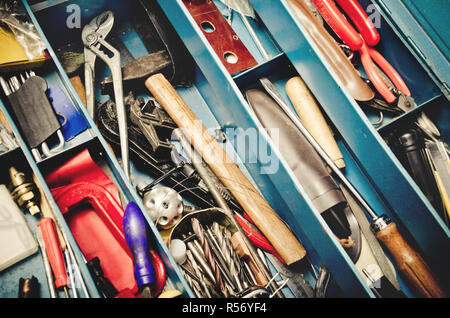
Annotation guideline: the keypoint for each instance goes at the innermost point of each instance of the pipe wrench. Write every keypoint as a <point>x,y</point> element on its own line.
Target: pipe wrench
<point>93,36</point>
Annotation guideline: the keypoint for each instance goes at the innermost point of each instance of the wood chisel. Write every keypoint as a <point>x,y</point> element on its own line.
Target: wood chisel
<point>321,189</point>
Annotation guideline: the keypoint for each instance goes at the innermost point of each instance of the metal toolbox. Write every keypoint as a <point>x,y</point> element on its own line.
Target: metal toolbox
<point>218,99</point>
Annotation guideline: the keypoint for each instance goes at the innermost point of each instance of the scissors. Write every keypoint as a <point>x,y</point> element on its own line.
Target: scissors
<point>363,41</point>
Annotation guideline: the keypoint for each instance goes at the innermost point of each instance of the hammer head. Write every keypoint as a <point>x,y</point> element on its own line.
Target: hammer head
<point>137,71</point>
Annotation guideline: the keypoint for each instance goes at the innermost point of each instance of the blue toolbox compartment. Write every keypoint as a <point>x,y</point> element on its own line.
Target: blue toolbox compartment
<point>90,138</point>
<point>389,177</point>
<point>385,183</point>
<point>217,98</point>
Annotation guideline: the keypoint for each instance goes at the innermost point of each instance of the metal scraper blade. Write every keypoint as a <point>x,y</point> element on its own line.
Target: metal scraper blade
<point>354,251</point>
<point>241,6</point>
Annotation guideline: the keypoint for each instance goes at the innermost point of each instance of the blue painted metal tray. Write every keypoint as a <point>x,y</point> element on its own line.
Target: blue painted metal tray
<point>381,179</point>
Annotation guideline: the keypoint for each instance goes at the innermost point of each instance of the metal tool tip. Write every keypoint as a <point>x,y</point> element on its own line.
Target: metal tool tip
<point>146,292</point>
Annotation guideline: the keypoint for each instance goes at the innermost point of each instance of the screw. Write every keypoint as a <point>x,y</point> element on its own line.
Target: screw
<point>91,38</point>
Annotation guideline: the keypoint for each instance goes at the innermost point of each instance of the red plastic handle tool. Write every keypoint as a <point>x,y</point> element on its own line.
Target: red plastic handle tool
<point>390,71</point>
<point>259,240</point>
<point>361,42</point>
<point>160,272</point>
<point>361,20</point>
<point>54,251</point>
<point>337,21</point>
<point>368,57</point>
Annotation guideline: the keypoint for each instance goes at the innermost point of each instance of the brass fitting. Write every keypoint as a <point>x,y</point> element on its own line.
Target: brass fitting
<point>24,192</point>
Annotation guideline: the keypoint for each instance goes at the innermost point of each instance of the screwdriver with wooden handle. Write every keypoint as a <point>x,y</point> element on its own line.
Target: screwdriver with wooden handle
<point>264,217</point>
<point>307,109</point>
<point>409,262</point>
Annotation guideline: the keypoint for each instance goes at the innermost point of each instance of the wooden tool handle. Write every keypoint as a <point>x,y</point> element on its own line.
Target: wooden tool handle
<point>313,120</point>
<point>79,87</point>
<point>228,172</point>
<point>410,264</point>
<point>244,253</point>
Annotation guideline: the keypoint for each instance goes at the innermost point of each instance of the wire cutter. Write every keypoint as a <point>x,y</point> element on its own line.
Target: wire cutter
<point>93,36</point>
<point>363,41</point>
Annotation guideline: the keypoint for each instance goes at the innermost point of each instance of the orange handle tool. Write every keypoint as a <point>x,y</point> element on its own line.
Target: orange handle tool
<point>54,251</point>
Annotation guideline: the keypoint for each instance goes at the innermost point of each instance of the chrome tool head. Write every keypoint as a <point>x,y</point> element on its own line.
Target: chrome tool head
<point>100,26</point>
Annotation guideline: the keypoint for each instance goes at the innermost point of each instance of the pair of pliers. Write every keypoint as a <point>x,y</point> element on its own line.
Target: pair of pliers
<point>363,41</point>
<point>93,37</point>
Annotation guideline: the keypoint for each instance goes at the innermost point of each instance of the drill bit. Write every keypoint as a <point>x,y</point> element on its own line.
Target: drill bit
<point>227,255</point>
<point>235,259</point>
<point>146,292</point>
<point>198,254</point>
<point>219,258</point>
<point>192,283</point>
<point>198,272</point>
<point>197,162</point>
<point>197,228</point>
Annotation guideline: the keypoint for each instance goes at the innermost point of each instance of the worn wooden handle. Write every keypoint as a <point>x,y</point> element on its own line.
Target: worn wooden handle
<point>79,87</point>
<point>228,172</point>
<point>312,118</point>
<point>409,263</point>
<point>243,252</point>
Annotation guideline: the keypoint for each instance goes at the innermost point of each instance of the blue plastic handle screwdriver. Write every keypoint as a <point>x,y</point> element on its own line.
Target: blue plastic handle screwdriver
<point>137,235</point>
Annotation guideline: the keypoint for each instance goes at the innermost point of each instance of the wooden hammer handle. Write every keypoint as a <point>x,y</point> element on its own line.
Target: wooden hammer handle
<point>410,264</point>
<point>228,172</point>
<point>309,113</point>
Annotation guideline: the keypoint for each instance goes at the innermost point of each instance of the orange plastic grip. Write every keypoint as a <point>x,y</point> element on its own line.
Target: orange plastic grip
<point>340,25</point>
<point>360,19</point>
